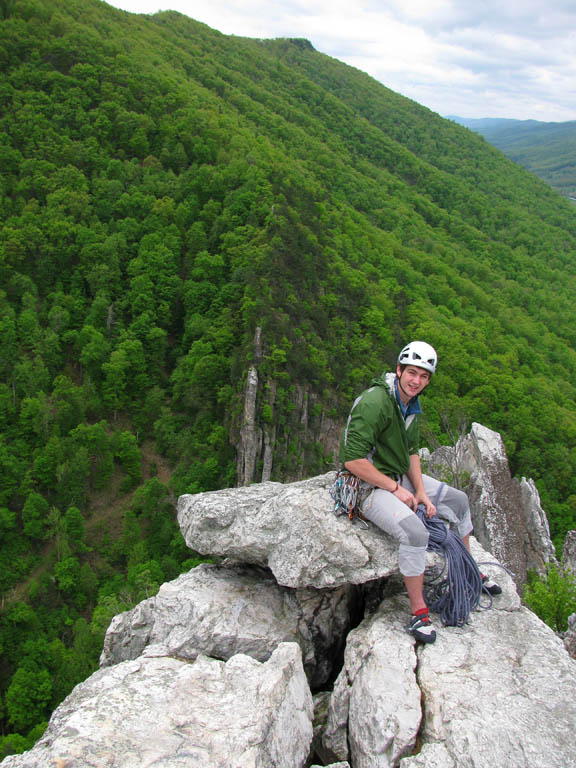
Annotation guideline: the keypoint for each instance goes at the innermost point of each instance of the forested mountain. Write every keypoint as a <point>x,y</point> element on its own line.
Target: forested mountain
<point>546,149</point>
<point>177,207</point>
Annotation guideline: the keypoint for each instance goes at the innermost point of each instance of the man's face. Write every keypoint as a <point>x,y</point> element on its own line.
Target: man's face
<point>411,381</point>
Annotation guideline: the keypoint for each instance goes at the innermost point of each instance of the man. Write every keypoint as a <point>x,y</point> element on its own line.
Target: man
<point>380,446</point>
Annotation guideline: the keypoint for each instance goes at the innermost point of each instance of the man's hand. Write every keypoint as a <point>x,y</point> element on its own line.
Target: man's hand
<point>422,498</point>
<point>415,477</point>
<point>406,497</point>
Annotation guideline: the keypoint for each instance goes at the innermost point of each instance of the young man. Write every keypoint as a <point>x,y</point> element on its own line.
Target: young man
<point>380,446</point>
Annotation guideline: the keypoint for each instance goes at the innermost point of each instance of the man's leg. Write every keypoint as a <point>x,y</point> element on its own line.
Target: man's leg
<point>388,513</point>
<point>452,504</point>
<point>395,518</point>
<point>414,587</point>
<point>454,507</point>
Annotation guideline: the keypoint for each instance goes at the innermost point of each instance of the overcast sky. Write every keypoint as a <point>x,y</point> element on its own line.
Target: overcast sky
<point>472,58</point>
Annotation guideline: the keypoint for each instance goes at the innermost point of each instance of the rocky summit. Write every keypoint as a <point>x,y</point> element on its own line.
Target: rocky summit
<point>290,650</point>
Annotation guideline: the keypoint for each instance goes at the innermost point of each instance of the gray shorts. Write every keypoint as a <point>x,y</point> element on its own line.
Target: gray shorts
<point>395,518</point>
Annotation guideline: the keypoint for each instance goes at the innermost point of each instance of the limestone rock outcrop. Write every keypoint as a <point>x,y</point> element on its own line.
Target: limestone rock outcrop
<point>153,712</point>
<point>508,674</point>
<point>569,553</point>
<point>569,569</point>
<point>220,611</point>
<point>289,529</point>
<point>379,704</point>
<point>570,636</point>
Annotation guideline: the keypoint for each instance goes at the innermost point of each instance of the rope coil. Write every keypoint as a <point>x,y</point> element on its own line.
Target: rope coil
<point>454,590</point>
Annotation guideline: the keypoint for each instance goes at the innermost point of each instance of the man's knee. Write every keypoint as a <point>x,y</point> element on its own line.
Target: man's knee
<point>457,501</point>
<point>411,560</point>
<point>415,531</point>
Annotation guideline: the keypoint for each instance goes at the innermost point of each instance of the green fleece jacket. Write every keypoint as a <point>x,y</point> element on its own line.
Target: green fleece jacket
<point>376,430</point>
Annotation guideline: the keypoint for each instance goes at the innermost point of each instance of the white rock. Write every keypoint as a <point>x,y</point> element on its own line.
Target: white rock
<point>290,529</point>
<point>221,611</point>
<point>507,514</point>
<point>430,756</point>
<point>497,692</point>
<point>569,553</point>
<point>374,713</point>
<point>166,713</point>
<point>500,692</point>
<point>333,765</point>
<point>570,636</point>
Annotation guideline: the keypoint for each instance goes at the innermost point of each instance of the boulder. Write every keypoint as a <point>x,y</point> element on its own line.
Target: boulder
<point>163,712</point>
<point>290,529</point>
<point>495,692</point>
<point>507,514</point>
<point>569,569</point>
<point>221,611</point>
<point>499,692</point>
<point>332,765</point>
<point>431,756</point>
<point>374,712</point>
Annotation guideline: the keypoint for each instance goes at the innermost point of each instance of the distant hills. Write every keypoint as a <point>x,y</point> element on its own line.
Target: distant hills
<point>546,149</point>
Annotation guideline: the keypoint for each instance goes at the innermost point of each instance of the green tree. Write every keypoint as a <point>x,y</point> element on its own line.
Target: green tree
<point>553,598</point>
<point>35,516</point>
<point>27,697</point>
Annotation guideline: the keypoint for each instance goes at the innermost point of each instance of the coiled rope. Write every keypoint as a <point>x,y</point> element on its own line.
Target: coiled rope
<point>454,590</point>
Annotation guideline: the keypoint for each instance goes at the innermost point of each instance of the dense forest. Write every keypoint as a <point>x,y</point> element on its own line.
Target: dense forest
<point>178,208</point>
<point>546,149</point>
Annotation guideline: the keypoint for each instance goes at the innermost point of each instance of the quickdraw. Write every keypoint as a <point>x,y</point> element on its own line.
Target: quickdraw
<point>345,492</point>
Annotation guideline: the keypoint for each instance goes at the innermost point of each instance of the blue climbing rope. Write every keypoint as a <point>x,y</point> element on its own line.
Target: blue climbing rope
<point>455,589</point>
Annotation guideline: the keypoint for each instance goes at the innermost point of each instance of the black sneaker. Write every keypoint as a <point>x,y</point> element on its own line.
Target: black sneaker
<point>490,586</point>
<point>422,629</point>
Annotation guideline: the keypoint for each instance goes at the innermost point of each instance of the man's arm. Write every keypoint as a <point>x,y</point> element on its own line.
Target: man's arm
<point>365,470</point>
<point>415,477</point>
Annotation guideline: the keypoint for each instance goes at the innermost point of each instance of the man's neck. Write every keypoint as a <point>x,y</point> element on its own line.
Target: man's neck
<point>403,396</point>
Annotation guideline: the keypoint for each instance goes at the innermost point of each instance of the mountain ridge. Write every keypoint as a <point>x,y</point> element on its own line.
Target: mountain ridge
<point>544,148</point>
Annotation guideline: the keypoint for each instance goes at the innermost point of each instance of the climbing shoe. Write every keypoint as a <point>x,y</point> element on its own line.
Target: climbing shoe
<point>421,627</point>
<point>490,586</point>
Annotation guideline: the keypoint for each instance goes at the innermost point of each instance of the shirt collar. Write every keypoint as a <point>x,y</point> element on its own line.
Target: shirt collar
<point>413,406</point>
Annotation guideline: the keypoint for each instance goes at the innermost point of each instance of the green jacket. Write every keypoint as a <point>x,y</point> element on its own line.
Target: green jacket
<point>376,430</point>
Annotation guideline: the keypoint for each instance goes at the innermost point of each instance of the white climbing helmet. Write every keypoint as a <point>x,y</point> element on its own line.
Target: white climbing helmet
<point>420,354</point>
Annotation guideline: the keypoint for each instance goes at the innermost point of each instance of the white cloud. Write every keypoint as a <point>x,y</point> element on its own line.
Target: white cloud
<point>484,59</point>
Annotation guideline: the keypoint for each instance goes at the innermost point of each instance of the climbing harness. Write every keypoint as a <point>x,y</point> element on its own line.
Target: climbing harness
<point>345,492</point>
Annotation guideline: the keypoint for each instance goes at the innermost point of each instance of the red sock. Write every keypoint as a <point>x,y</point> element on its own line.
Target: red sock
<point>421,612</point>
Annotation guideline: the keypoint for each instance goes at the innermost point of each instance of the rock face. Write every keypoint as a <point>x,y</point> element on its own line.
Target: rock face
<point>154,712</point>
<point>570,636</point>
<point>379,704</point>
<point>218,669</point>
<point>504,672</point>
<point>509,674</point>
<point>569,553</point>
<point>290,529</point>
<point>507,515</point>
<point>221,611</point>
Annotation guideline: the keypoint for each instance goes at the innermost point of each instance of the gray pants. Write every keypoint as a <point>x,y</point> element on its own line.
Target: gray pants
<point>387,512</point>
